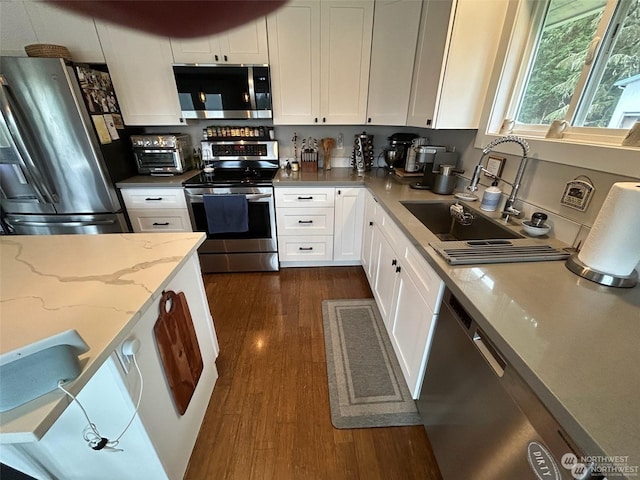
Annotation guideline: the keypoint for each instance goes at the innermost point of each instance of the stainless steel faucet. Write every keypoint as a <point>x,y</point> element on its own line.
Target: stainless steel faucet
<point>515,186</point>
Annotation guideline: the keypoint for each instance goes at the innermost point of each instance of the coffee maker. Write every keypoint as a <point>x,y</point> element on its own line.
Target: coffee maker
<point>434,158</point>
<point>395,155</point>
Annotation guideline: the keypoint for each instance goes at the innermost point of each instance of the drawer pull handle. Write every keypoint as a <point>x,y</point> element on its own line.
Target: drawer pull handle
<point>394,262</point>
<point>305,248</point>
<point>398,269</point>
<point>158,224</point>
<point>153,199</point>
<point>305,198</point>
<point>305,221</point>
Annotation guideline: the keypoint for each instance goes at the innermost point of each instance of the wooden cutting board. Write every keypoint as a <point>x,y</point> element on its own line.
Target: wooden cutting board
<point>178,347</point>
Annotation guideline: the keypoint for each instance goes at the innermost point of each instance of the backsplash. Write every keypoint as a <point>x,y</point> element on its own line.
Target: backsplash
<point>542,185</point>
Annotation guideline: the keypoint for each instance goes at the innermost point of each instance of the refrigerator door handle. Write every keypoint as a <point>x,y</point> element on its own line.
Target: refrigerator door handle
<point>32,223</point>
<point>35,177</point>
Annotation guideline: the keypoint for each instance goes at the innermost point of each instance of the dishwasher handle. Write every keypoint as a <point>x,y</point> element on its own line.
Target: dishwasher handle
<point>493,358</point>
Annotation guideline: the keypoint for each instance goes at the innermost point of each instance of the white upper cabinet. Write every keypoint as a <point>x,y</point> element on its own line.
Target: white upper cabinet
<point>140,65</point>
<point>345,56</point>
<point>319,54</point>
<point>294,53</point>
<point>244,44</point>
<point>25,23</point>
<point>395,35</point>
<point>456,50</point>
<point>15,29</point>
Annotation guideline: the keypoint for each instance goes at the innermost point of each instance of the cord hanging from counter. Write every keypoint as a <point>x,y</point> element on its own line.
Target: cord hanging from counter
<point>90,433</point>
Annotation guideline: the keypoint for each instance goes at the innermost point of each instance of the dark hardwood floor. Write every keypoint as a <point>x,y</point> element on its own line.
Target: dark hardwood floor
<point>269,414</point>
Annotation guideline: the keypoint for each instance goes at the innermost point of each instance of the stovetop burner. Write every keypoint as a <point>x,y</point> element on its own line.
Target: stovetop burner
<point>233,176</point>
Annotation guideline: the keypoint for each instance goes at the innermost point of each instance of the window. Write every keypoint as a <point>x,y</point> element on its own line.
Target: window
<point>581,65</point>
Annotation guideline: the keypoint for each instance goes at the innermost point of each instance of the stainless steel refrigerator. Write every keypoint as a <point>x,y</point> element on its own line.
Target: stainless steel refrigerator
<point>62,149</point>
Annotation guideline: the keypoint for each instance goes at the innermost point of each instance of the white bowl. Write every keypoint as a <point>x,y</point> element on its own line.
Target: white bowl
<point>535,231</point>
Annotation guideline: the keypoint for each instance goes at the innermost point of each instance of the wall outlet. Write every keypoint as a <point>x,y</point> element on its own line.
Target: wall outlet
<point>340,142</point>
<point>126,351</point>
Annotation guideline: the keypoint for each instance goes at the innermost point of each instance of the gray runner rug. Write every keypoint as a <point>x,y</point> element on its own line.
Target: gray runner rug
<point>366,386</point>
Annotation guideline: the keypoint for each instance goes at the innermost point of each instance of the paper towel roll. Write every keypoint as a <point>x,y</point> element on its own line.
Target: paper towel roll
<point>613,245</point>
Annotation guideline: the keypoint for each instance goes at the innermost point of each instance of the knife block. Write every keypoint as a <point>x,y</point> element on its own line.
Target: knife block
<point>309,161</point>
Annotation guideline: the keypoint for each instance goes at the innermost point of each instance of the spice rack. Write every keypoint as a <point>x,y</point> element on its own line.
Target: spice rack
<point>219,133</point>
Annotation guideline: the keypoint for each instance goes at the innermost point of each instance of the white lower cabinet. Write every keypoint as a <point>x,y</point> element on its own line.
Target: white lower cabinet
<point>349,215</point>
<point>384,282</point>
<point>370,206</point>
<point>407,291</point>
<point>319,225</point>
<point>411,325</point>
<point>157,209</point>
<point>160,220</point>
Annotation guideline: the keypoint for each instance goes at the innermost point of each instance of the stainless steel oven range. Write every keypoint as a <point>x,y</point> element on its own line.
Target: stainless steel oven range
<point>246,168</point>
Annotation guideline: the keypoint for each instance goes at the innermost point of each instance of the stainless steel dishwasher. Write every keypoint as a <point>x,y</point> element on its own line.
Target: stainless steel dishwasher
<point>482,420</point>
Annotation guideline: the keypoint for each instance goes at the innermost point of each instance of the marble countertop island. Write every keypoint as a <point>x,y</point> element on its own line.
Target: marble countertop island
<point>95,284</point>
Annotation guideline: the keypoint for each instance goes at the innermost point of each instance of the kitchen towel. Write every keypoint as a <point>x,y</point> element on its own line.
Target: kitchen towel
<point>613,245</point>
<point>226,213</point>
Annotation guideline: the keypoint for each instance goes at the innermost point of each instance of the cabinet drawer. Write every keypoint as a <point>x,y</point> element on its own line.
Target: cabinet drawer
<point>305,221</point>
<point>390,230</point>
<point>160,220</point>
<point>308,197</point>
<point>305,248</point>
<point>135,198</point>
<point>426,279</point>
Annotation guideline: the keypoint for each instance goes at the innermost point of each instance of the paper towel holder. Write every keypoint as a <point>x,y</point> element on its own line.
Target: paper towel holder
<point>576,266</point>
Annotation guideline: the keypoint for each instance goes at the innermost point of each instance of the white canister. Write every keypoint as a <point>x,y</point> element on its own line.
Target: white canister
<point>491,198</point>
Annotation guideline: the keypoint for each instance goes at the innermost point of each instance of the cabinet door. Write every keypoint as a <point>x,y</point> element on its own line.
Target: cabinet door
<point>349,217</point>
<point>344,61</point>
<point>395,35</point>
<point>452,68</point>
<point>26,22</point>
<point>370,206</point>
<point>140,68</point>
<point>16,30</point>
<point>294,53</point>
<point>196,50</point>
<point>411,326</point>
<point>385,276</point>
<point>59,27</point>
<point>461,100</point>
<point>429,62</point>
<point>244,44</point>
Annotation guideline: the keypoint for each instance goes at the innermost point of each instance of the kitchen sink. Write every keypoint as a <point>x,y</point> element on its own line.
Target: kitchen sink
<point>436,216</point>
<point>478,239</point>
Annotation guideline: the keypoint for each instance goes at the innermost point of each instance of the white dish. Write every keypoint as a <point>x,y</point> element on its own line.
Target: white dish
<point>535,231</point>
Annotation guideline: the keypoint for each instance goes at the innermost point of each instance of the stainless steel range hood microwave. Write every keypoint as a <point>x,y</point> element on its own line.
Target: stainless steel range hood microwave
<point>224,91</point>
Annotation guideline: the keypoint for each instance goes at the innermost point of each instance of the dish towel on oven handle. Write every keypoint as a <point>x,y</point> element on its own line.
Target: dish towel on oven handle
<point>226,213</point>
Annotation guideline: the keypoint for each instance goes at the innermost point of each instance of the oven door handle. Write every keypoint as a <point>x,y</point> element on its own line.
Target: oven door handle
<point>250,196</point>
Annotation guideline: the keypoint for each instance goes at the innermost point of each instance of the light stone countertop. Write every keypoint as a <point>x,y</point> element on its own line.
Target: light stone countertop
<point>96,284</point>
<point>157,181</point>
<point>576,343</point>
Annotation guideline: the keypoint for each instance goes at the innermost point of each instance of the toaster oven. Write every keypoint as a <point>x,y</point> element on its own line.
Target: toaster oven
<point>166,154</point>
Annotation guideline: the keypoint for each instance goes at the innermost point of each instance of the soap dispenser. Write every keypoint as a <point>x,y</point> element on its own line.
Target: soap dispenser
<point>491,197</point>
